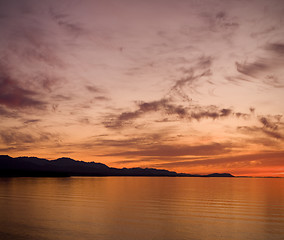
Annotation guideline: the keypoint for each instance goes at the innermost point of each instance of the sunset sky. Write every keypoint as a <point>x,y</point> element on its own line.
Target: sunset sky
<point>184,85</point>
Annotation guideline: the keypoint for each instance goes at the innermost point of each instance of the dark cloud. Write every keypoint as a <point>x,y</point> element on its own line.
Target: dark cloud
<point>125,118</point>
<point>213,112</point>
<point>13,95</point>
<point>167,107</point>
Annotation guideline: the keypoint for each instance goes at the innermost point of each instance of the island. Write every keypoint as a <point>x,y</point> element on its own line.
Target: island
<point>67,167</point>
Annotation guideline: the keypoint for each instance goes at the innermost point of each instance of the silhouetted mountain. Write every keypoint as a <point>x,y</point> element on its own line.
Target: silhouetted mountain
<point>33,166</point>
<point>219,175</point>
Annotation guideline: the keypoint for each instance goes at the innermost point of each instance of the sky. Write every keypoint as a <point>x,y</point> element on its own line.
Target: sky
<point>193,86</point>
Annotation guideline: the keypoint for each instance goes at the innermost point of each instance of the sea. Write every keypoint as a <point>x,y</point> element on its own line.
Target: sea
<point>141,208</point>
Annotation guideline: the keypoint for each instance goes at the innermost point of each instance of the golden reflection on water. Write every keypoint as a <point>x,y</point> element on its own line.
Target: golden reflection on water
<point>141,208</point>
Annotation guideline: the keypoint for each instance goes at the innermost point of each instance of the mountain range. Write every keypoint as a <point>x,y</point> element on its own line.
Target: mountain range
<point>66,167</point>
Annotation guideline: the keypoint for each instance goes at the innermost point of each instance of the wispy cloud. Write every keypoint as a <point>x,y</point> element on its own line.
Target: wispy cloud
<point>277,48</point>
<point>5,112</point>
<point>193,76</point>
<point>177,150</point>
<point>167,107</point>
<point>271,127</point>
<point>64,21</point>
<point>264,68</point>
<point>22,137</point>
<point>245,160</point>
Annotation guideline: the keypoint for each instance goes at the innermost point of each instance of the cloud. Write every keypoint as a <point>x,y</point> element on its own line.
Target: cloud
<point>60,97</point>
<point>252,69</point>
<point>265,68</point>
<point>265,141</point>
<point>262,158</point>
<point>167,107</point>
<point>99,92</point>
<point>263,32</point>
<point>12,137</point>
<point>4,112</point>
<point>93,89</point>
<point>64,22</point>
<point>136,141</point>
<point>242,115</point>
<point>31,44</point>
<point>101,98</point>
<point>260,130</point>
<point>277,48</point>
<point>268,124</point>
<point>125,118</point>
<point>220,23</point>
<point>12,95</point>
<point>271,127</point>
<point>31,121</point>
<point>29,55</point>
<point>161,150</point>
<point>192,76</point>
<point>273,134</point>
<point>26,137</point>
<point>211,111</point>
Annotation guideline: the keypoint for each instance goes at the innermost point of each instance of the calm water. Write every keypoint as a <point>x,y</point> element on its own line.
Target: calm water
<point>145,208</point>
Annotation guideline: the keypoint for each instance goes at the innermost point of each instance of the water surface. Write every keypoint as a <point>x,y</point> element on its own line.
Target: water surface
<point>134,208</point>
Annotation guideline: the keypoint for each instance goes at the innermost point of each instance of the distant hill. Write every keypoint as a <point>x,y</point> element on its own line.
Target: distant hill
<point>65,167</point>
